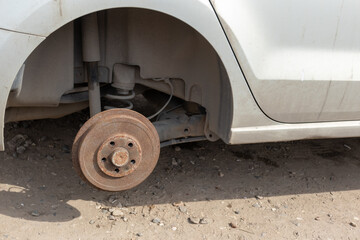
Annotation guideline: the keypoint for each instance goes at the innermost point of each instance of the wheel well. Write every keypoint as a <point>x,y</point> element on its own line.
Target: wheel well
<point>156,44</point>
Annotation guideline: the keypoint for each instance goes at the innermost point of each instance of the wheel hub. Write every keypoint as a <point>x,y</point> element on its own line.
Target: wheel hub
<point>119,156</point>
<point>108,149</point>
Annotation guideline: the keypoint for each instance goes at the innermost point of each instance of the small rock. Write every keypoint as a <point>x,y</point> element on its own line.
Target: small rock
<point>182,209</point>
<point>104,211</point>
<point>176,204</point>
<point>257,205</point>
<point>111,217</point>
<point>91,221</point>
<point>174,162</point>
<point>139,234</point>
<point>347,146</point>
<point>237,212</point>
<point>112,199</point>
<point>125,219</point>
<point>35,213</point>
<point>317,218</point>
<point>117,213</point>
<point>21,205</point>
<point>194,220</point>
<point>259,197</point>
<point>233,225</point>
<point>16,141</point>
<point>203,221</point>
<point>156,220</point>
<point>20,150</point>
<point>220,174</point>
<point>273,209</point>
<point>352,224</point>
<point>28,143</point>
<point>177,149</point>
<point>50,158</point>
<point>174,228</point>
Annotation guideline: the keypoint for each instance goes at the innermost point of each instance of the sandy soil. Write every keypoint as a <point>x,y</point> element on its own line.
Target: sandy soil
<point>296,190</point>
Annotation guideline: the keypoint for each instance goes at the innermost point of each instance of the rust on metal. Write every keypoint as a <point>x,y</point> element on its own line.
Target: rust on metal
<point>119,156</point>
<point>108,149</point>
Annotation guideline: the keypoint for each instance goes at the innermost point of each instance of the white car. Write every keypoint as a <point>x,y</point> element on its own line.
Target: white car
<point>243,71</point>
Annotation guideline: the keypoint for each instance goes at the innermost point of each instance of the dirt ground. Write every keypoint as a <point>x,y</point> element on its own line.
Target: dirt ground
<point>295,190</point>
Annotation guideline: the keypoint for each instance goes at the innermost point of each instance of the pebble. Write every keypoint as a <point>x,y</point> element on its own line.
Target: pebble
<point>91,221</point>
<point>16,141</point>
<point>174,162</point>
<point>182,209</point>
<point>204,221</point>
<point>117,213</point>
<point>105,211</point>
<point>174,228</point>
<point>20,150</point>
<point>112,199</point>
<point>220,174</point>
<point>176,204</point>
<point>237,212</point>
<point>139,234</point>
<point>352,224</point>
<point>194,220</point>
<point>48,157</point>
<point>111,217</point>
<point>233,225</point>
<point>35,213</point>
<point>256,205</point>
<point>177,149</point>
<point>125,219</point>
<point>156,220</point>
<point>28,143</point>
<point>259,197</point>
<point>317,218</point>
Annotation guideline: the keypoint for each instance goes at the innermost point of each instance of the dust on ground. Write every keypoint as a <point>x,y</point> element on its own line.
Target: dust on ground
<point>295,190</point>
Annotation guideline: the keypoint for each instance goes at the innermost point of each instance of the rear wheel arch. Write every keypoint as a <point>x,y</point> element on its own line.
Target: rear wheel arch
<point>200,16</point>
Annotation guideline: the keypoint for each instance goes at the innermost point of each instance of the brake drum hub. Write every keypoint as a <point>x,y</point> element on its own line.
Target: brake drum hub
<point>119,156</point>
<point>109,149</point>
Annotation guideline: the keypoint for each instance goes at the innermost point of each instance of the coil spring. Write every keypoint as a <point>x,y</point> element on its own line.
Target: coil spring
<point>126,98</point>
<point>123,98</point>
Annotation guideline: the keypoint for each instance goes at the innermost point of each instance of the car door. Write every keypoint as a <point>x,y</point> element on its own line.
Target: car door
<point>301,59</point>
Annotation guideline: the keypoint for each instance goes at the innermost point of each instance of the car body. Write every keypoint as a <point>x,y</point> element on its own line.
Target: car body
<point>264,71</point>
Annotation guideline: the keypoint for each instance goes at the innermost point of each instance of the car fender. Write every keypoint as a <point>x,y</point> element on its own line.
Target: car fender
<point>36,20</point>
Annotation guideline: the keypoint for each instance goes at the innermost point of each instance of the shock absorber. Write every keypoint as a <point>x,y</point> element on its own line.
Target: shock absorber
<point>91,57</point>
<point>123,83</point>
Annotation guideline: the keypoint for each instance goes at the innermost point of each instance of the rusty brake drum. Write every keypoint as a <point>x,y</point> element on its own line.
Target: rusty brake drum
<point>116,149</point>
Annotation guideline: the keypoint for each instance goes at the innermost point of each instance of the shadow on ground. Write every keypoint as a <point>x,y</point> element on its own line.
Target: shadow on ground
<point>42,180</point>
